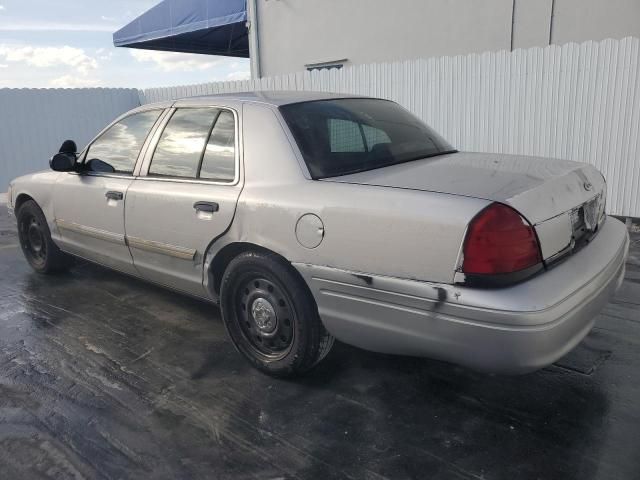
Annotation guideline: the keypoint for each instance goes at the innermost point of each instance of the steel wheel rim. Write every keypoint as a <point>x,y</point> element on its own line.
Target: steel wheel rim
<point>265,316</point>
<point>33,239</point>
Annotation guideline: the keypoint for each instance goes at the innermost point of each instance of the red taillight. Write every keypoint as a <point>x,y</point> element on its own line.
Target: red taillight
<point>500,240</point>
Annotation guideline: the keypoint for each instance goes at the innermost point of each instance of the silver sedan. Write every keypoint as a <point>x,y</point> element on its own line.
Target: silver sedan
<point>310,217</point>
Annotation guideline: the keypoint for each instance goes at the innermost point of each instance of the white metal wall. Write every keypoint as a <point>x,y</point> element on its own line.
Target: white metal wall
<point>293,34</point>
<point>35,122</point>
<point>576,102</point>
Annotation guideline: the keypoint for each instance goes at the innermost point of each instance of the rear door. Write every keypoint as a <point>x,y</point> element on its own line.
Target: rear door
<point>185,197</point>
<point>89,207</point>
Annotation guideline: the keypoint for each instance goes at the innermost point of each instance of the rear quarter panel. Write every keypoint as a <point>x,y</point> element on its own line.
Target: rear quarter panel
<point>378,230</point>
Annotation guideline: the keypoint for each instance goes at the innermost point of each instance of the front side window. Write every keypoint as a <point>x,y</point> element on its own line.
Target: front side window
<point>120,145</point>
<point>338,137</point>
<point>197,143</point>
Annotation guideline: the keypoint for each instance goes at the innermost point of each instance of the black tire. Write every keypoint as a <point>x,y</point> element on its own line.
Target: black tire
<point>271,316</point>
<point>43,255</point>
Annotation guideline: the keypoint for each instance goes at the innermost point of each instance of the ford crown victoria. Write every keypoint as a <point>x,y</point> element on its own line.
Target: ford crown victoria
<point>310,217</point>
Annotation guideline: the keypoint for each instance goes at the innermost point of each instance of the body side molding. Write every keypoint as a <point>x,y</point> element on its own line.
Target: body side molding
<point>91,232</point>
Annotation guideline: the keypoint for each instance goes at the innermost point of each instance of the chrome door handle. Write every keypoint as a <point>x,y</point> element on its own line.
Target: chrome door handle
<point>112,195</point>
<point>208,207</point>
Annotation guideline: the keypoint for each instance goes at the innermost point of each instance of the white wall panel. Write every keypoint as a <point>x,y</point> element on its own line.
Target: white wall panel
<point>576,102</point>
<point>35,122</point>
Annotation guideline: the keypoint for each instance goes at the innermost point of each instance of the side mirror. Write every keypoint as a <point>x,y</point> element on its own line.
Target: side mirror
<point>63,162</point>
<point>97,165</point>
<point>68,146</point>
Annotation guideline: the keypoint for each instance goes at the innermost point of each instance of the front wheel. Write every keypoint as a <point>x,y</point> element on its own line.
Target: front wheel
<point>271,316</point>
<point>43,255</point>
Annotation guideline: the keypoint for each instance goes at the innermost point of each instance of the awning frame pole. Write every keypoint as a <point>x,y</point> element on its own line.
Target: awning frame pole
<point>254,39</point>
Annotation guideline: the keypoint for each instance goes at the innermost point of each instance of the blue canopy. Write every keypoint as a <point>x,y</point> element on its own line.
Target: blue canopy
<point>214,27</point>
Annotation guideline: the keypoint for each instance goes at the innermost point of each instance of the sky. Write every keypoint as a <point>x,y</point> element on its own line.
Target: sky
<point>68,43</point>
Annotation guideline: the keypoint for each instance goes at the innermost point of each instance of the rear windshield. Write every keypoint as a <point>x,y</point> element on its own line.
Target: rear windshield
<point>338,137</point>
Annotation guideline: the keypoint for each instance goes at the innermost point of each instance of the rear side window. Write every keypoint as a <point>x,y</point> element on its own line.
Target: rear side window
<point>219,161</point>
<point>197,143</point>
<point>181,145</point>
<point>120,145</point>
<point>349,135</point>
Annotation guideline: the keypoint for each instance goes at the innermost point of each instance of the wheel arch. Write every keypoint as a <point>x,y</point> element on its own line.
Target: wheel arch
<point>219,262</point>
<point>21,199</point>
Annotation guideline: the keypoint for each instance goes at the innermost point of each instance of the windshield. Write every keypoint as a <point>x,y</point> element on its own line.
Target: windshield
<point>338,137</point>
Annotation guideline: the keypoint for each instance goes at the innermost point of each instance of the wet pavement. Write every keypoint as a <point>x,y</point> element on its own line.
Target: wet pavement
<point>103,376</point>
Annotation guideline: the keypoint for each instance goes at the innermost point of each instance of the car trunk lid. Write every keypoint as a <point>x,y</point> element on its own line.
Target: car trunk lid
<point>563,199</point>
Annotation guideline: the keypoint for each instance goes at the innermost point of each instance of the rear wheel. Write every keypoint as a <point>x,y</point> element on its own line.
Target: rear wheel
<point>35,239</point>
<point>271,316</point>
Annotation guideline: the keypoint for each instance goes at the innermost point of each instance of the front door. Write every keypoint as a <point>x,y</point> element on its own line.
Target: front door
<point>89,213</point>
<point>89,207</point>
<point>186,199</point>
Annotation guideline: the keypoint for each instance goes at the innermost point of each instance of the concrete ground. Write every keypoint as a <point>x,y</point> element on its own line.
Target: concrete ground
<point>103,376</point>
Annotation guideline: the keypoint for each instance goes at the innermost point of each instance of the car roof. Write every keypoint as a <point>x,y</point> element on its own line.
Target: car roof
<point>275,98</point>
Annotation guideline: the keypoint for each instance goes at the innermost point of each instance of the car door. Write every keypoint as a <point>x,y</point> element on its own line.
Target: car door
<point>89,207</point>
<point>185,197</point>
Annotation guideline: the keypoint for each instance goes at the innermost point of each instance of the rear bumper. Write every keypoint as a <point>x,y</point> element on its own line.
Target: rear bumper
<point>510,330</point>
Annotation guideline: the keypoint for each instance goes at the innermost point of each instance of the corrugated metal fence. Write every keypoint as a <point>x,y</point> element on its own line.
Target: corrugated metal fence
<point>35,122</point>
<point>577,102</point>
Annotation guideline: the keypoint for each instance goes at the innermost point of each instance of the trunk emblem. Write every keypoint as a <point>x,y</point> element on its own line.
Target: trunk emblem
<point>588,186</point>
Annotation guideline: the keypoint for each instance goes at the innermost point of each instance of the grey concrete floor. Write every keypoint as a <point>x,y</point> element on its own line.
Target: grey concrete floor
<point>103,376</point>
